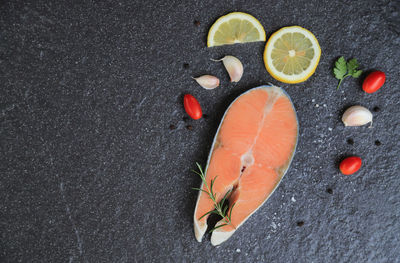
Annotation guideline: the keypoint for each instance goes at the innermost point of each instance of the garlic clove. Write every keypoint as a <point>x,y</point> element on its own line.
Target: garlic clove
<point>207,81</point>
<point>357,116</point>
<point>233,66</point>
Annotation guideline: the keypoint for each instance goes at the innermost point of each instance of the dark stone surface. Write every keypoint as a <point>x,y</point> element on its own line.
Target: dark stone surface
<point>91,170</point>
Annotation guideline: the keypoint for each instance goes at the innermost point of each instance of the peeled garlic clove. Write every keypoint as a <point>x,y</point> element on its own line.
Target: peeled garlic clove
<point>357,116</point>
<point>233,66</point>
<point>208,81</point>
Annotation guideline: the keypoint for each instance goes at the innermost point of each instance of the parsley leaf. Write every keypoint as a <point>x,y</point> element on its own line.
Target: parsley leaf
<point>340,68</point>
<point>352,65</point>
<point>344,69</point>
<point>357,74</point>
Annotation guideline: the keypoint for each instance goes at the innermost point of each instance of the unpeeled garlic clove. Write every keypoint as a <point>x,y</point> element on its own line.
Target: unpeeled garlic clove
<point>233,66</point>
<point>357,116</point>
<point>207,81</point>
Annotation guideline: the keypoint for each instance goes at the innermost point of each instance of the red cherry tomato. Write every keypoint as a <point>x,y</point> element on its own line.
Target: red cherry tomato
<point>192,107</point>
<point>350,165</point>
<point>373,81</point>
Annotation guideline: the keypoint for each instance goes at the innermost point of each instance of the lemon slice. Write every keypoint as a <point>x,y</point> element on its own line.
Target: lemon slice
<point>292,54</point>
<point>236,27</point>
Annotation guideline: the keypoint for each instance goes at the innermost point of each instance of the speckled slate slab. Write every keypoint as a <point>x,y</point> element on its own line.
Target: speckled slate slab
<point>96,152</point>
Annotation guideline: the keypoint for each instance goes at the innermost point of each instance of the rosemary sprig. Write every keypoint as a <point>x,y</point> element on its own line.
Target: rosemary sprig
<point>223,212</point>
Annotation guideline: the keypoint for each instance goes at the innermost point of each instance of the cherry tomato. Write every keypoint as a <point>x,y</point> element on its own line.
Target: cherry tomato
<point>192,107</point>
<point>373,81</point>
<point>350,165</point>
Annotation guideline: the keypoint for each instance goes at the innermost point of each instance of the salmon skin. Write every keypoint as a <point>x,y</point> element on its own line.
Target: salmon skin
<point>251,152</point>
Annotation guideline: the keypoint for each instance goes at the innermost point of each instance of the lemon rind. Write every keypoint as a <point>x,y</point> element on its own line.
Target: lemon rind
<point>241,15</point>
<point>315,60</point>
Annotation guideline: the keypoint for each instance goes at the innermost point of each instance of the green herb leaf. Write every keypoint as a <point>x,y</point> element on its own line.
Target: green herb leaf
<point>352,65</point>
<point>225,196</point>
<point>230,213</point>
<point>199,166</point>
<point>224,210</point>
<point>219,210</point>
<point>344,69</point>
<point>197,174</point>
<point>212,184</point>
<point>198,189</point>
<point>357,73</point>
<point>216,206</point>
<point>209,212</point>
<point>340,69</point>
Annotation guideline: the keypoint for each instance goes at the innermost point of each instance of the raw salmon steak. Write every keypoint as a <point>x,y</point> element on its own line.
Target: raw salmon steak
<point>251,152</point>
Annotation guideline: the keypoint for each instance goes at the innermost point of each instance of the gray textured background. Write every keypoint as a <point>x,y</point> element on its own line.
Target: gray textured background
<point>92,172</point>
